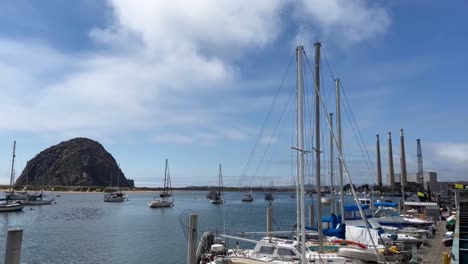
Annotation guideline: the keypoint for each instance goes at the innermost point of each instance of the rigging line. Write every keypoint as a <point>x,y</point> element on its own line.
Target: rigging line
<point>253,151</point>
<point>309,166</point>
<point>366,154</point>
<point>271,137</point>
<point>353,127</point>
<point>328,65</point>
<point>345,167</point>
<point>359,132</point>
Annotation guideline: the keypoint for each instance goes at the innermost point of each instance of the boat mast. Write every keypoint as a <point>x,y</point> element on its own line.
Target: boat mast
<point>220,181</point>
<point>317,145</point>
<point>339,147</point>
<point>118,176</point>
<point>333,207</point>
<point>300,149</point>
<point>12,181</point>
<point>165,179</point>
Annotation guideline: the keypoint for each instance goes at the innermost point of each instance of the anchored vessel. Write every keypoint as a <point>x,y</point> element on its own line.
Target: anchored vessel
<point>114,194</point>
<point>166,195</point>
<point>218,197</point>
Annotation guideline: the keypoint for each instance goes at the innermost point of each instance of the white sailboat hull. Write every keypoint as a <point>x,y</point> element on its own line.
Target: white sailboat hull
<point>11,207</point>
<point>115,199</point>
<point>160,204</point>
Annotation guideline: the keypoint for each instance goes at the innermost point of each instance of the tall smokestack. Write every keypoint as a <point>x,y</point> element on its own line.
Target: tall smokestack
<point>379,165</point>
<point>404,179</point>
<point>391,175</point>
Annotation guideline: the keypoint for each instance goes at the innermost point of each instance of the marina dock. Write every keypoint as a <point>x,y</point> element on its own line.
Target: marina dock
<point>432,251</point>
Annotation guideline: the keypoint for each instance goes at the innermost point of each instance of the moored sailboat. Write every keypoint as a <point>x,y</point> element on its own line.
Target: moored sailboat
<point>248,197</point>
<point>166,199</point>
<point>218,198</point>
<point>114,195</point>
<point>11,194</point>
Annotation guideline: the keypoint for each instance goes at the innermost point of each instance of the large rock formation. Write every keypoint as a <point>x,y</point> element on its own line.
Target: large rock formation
<point>76,162</point>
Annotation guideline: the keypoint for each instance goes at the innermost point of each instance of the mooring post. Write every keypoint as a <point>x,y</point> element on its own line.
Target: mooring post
<point>270,221</point>
<point>13,246</point>
<point>192,239</point>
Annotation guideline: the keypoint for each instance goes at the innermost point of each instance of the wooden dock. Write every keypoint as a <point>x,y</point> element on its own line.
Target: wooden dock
<point>433,250</point>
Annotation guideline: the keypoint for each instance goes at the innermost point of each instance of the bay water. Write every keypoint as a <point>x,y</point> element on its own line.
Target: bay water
<point>81,228</point>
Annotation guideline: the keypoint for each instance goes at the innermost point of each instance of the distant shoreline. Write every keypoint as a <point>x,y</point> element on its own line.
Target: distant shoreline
<point>93,189</point>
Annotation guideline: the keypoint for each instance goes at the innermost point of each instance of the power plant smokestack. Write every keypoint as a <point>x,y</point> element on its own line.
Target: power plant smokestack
<point>391,175</point>
<point>379,165</point>
<point>404,179</point>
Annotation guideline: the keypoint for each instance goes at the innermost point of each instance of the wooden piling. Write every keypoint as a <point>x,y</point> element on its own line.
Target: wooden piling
<point>13,246</point>
<point>192,239</point>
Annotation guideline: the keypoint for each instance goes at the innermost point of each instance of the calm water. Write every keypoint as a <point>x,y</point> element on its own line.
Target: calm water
<point>81,228</point>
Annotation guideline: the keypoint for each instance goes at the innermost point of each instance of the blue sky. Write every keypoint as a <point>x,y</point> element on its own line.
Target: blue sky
<point>193,83</point>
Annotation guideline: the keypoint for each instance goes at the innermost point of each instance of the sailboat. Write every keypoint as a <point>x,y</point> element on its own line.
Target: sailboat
<point>11,194</point>
<point>13,200</point>
<point>248,197</point>
<point>165,194</point>
<point>167,191</point>
<point>218,197</point>
<point>39,198</point>
<point>269,196</point>
<point>114,195</point>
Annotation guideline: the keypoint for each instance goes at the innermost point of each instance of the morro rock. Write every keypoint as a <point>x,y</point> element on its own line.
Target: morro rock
<point>76,162</point>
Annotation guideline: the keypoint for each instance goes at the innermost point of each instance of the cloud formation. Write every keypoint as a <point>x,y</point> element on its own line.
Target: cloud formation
<point>155,64</point>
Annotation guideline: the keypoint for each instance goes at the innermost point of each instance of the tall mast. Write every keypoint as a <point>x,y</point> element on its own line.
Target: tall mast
<point>379,165</point>
<point>165,179</point>
<point>317,145</point>
<point>300,148</point>
<point>118,175</point>
<point>333,207</point>
<point>12,181</point>
<point>339,147</point>
<point>220,180</point>
<point>391,175</point>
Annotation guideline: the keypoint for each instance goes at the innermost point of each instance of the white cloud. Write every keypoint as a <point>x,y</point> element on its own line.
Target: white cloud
<point>453,153</point>
<point>346,21</point>
<point>269,140</point>
<point>157,62</point>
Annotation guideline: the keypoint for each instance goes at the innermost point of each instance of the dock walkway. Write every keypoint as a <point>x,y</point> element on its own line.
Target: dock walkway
<point>432,251</point>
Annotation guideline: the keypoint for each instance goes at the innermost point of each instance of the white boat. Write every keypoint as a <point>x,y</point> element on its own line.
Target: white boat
<point>269,196</point>
<point>11,206</point>
<point>165,196</point>
<point>38,199</point>
<point>248,197</point>
<point>218,198</point>
<point>114,195</point>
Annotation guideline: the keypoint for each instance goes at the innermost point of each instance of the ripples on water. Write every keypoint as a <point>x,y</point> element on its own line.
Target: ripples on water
<point>81,228</point>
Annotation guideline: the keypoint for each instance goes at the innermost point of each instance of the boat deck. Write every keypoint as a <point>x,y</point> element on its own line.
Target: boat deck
<point>433,250</point>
